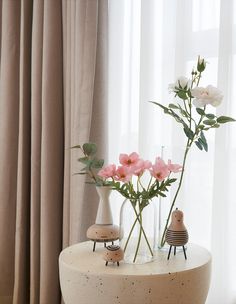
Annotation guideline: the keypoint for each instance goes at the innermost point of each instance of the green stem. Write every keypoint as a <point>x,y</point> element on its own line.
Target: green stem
<point>130,233</point>
<point>149,184</point>
<point>140,235</point>
<point>132,228</point>
<point>188,145</point>
<point>176,194</point>
<point>143,231</point>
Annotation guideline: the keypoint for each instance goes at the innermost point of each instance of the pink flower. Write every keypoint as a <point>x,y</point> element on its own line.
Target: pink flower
<point>108,171</point>
<point>159,170</point>
<point>174,167</point>
<point>141,166</point>
<point>123,174</point>
<point>129,160</point>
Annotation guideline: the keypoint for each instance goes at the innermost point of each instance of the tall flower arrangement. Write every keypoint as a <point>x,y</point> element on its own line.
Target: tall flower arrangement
<point>192,112</point>
<point>126,178</point>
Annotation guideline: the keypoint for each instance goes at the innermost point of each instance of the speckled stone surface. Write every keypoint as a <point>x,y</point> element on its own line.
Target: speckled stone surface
<point>86,280</point>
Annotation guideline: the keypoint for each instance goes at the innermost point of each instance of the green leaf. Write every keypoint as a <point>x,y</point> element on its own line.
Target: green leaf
<point>201,127</point>
<point>159,105</point>
<point>84,160</point>
<point>210,116</point>
<point>224,119</point>
<point>188,132</point>
<point>161,194</point>
<point>189,94</point>
<point>203,142</point>
<point>76,147</point>
<point>182,111</point>
<point>173,106</point>
<point>85,168</point>
<point>182,95</point>
<point>200,111</point>
<point>172,180</point>
<point>169,112</point>
<point>198,145</point>
<point>209,122</point>
<point>216,125</point>
<point>202,135</point>
<point>89,148</point>
<point>97,163</point>
<point>80,173</point>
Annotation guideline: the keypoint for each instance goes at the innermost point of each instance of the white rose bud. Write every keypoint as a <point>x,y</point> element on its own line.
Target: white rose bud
<point>182,82</point>
<point>201,64</point>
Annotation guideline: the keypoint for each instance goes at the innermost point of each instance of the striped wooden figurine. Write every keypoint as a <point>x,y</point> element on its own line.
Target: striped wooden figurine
<point>177,234</point>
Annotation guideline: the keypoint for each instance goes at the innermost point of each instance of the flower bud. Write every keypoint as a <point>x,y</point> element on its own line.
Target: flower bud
<point>201,64</point>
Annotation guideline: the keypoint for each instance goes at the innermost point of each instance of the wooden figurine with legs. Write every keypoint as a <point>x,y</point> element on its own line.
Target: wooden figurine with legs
<point>177,234</point>
<point>113,254</point>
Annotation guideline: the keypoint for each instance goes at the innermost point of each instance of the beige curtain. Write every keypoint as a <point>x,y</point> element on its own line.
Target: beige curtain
<point>52,89</point>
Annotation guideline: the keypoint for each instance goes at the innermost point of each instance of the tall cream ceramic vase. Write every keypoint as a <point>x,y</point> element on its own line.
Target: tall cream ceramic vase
<point>104,215</point>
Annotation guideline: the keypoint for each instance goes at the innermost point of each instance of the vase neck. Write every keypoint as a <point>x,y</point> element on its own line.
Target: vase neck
<point>103,192</point>
<point>104,215</point>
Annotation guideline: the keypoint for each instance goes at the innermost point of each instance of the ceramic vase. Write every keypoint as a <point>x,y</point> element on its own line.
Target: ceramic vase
<point>104,214</point>
<point>103,231</point>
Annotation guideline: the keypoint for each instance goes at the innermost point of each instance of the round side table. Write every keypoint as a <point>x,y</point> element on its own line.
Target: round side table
<point>85,279</point>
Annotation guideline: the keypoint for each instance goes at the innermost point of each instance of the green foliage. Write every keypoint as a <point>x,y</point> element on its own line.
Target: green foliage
<point>209,122</point>
<point>198,144</point>
<point>90,149</point>
<point>188,132</point>
<point>91,163</point>
<point>194,128</point>
<point>170,112</point>
<point>76,147</point>
<point>210,116</point>
<point>97,163</point>
<point>224,119</point>
<point>145,195</point>
<point>202,140</point>
<point>84,160</point>
<point>200,111</point>
<point>182,95</point>
<point>172,106</point>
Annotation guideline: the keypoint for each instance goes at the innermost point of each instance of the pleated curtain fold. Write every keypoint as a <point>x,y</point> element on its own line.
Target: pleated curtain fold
<point>52,96</point>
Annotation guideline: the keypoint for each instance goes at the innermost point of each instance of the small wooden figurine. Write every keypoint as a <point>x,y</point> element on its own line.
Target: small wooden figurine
<point>103,234</point>
<point>114,254</point>
<point>177,234</point>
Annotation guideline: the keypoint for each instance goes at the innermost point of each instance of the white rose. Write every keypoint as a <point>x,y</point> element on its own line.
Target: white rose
<point>204,96</point>
<point>181,83</point>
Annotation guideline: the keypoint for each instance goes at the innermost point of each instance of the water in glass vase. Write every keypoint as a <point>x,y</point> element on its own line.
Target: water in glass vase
<point>137,231</point>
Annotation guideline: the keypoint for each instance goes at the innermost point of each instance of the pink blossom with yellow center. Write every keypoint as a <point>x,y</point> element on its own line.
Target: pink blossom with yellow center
<point>129,160</point>
<point>108,171</point>
<point>123,174</point>
<point>174,167</point>
<point>142,165</point>
<point>159,170</point>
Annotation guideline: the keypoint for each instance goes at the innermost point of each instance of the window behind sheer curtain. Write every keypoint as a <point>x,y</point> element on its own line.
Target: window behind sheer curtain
<point>151,43</point>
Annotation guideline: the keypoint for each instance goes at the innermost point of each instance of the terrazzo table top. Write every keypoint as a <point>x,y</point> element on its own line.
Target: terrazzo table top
<point>86,280</point>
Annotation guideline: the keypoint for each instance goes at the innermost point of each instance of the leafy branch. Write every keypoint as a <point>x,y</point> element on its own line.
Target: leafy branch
<point>194,131</point>
<point>91,162</point>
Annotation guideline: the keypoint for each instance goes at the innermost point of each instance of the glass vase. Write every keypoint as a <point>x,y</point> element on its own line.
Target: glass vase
<point>137,231</point>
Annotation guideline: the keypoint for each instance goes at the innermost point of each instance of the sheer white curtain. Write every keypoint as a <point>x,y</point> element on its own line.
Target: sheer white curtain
<point>151,43</point>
